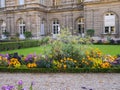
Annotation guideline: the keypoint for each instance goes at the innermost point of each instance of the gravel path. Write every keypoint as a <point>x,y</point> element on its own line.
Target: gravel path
<point>61,81</point>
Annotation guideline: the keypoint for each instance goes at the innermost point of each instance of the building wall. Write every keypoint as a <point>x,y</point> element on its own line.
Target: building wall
<point>94,14</point>
<point>66,11</point>
<point>33,13</point>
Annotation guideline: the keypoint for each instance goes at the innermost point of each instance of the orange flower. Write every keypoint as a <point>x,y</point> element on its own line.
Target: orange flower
<point>105,65</point>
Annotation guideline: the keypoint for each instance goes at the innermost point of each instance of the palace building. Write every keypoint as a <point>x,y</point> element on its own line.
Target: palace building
<point>48,17</point>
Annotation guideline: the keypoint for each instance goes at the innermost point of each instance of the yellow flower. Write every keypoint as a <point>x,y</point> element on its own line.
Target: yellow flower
<point>61,60</point>
<point>65,58</point>
<point>28,65</point>
<point>0,57</point>
<point>34,65</point>
<point>68,58</point>
<point>75,61</point>
<point>76,67</point>
<point>64,66</point>
<point>71,59</point>
<point>59,66</point>
<point>17,65</point>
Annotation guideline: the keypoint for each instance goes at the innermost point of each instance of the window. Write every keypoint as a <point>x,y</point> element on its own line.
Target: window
<point>3,27</point>
<point>21,2</point>
<point>22,27</point>
<point>56,27</point>
<point>42,2</point>
<point>2,3</point>
<point>42,28</point>
<point>56,2</point>
<point>109,23</point>
<point>80,25</point>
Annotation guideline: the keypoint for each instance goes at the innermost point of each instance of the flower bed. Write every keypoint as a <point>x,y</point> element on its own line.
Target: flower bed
<point>94,61</point>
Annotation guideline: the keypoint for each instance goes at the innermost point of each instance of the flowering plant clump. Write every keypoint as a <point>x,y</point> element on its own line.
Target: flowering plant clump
<point>3,60</point>
<point>13,62</point>
<point>99,60</point>
<point>66,63</point>
<point>44,61</point>
<point>105,65</point>
<point>30,60</point>
<point>19,86</point>
<point>7,87</point>
<point>116,62</point>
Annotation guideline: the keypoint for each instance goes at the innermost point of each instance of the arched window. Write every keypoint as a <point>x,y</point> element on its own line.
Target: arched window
<point>80,25</point>
<point>21,2</point>
<point>55,26</point>
<point>2,3</point>
<point>109,23</point>
<point>3,26</point>
<point>21,26</point>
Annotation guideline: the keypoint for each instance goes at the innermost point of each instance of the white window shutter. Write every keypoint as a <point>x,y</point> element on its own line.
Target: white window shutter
<point>42,29</point>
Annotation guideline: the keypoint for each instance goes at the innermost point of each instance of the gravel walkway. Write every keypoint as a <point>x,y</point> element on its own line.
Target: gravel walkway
<point>61,81</point>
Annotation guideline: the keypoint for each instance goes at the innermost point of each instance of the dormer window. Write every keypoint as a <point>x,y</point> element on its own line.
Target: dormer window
<point>2,3</point>
<point>21,2</point>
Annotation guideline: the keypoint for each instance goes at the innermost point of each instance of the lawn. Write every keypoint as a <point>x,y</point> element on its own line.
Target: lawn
<point>26,51</point>
<point>109,49</point>
<point>106,49</point>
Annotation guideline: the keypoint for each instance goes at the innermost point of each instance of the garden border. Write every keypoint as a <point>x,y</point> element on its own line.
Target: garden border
<point>51,70</point>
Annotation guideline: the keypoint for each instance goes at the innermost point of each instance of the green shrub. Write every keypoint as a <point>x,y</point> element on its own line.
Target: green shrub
<point>65,46</point>
<point>6,34</point>
<point>90,32</point>
<point>17,45</point>
<point>44,40</point>
<point>54,70</point>
<point>28,34</point>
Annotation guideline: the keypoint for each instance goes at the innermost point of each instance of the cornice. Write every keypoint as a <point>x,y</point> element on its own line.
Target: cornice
<point>101,2</point>
<point>41,8</point>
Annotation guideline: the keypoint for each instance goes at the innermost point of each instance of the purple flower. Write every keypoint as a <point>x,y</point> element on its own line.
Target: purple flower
<point>32,83</point>
<point>8,87</point>
<point>7,56</point>
<point>3,87</point>
<point>83,87</point>
<point>90,89</point>
<point>23,89</point>
<point>2,55</point>
<point>20,82</point>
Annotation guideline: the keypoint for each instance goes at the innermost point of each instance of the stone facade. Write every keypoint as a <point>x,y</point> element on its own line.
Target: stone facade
<point>94,13</point>
<point>47,17</point>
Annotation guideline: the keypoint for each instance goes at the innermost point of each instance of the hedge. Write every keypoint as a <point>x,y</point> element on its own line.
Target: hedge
<point>51,70</point>
<point>17,45</point>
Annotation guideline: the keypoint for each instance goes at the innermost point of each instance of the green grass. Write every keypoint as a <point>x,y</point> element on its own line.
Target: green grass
<point>109,49</point>
<point>106,49</point>
<point>32,50</point>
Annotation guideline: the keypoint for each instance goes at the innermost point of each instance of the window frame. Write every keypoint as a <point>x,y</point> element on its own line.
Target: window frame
<point>55,26</point>
<point>22,26</point>
<point>109,29</point>
<point>80,25</point>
